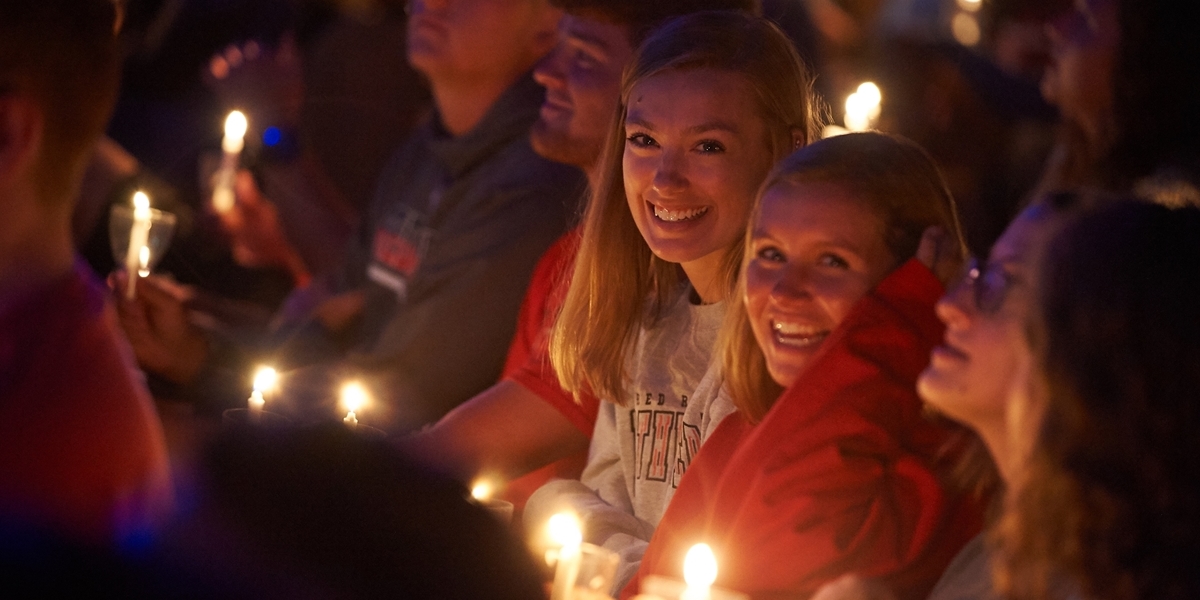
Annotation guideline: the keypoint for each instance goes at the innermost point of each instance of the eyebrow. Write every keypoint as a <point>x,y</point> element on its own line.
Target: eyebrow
<point>716,125</point>
<point>835,242</point>
<point>588,40</point>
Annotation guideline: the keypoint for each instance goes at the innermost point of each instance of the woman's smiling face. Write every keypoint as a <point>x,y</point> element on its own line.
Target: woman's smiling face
<point>815,250</point>
<point>696,152</point>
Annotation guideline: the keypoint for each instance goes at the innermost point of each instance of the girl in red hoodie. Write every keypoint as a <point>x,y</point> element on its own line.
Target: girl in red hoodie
<point>837,474</point>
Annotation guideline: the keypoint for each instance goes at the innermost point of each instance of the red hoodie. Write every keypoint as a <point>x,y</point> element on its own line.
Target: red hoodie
<point>838,477</point>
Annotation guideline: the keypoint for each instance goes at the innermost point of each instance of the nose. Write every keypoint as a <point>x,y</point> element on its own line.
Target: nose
<point>670,178</point>
<point>794,285</point>
<point>956,307</point>
<point>549,71</point>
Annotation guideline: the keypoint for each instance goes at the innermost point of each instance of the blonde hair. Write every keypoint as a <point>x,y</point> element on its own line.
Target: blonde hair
<point>618,284</point>
<point>895,178</point>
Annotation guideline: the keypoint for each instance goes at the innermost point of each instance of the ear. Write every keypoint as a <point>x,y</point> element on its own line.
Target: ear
<point>799,138</point>
<point>20,136</point>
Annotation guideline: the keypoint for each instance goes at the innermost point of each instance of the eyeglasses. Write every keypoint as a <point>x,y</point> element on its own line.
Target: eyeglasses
<point>989,285</point>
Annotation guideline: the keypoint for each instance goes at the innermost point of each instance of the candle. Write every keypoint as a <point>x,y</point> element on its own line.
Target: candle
<point>354,396</point>
<point>264,380</point>
<point>139,237</point>
<point>699,572</point>
<point>231,147</point>
<point>565,532</point>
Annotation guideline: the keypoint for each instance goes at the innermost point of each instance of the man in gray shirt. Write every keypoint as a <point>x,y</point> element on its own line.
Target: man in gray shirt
<point>425,303</point>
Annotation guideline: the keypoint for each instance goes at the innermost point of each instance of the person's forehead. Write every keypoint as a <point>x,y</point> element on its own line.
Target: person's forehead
<point>593,28</point>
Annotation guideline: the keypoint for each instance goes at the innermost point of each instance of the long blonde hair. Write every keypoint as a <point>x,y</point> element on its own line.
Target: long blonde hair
<point>898,182</point>
<point>618,284</point>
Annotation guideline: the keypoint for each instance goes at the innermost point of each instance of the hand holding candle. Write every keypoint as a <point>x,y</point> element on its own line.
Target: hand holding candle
<point>231,148</point>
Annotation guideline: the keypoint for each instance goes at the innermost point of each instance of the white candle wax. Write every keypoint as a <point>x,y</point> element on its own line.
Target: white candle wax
<point>139,238</point>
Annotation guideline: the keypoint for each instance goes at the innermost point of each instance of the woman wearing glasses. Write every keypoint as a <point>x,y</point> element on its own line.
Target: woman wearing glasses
<point>972,376</point>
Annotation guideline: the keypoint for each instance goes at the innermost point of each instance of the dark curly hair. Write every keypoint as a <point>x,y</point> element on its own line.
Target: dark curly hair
<point>641,16</point>
<point>1110,498</point>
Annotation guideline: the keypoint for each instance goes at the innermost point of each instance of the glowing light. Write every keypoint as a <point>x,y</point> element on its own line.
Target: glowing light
<point>235,132</point>
<point>564,530</point>
<point>144,262</point>
<point>863,107</point>
<point>700,567</point>
<point>970,5</point>
<point>265,379</point>
<point>354,397</point>
<point>965,29</point>
<point>481,490</point>
<point>141,205</point>
<point>272,136</point>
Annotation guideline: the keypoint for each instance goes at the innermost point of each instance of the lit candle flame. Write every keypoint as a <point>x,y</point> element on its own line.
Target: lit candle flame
<point>481,491</point>
<point>265,379</point>
<point>235,132</point>
<point>144,262</point>
<point>564,530</point>
<point>863,107</point>
<point>354,397</point>
<point>700,567</point>
<point>141,205</point>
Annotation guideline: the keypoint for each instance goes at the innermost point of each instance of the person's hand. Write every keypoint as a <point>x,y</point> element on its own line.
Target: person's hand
<point>337,312</point>
<point>156,324</point>
<point>853,587</point>
<point>256,236</point>
<point>938,252</point>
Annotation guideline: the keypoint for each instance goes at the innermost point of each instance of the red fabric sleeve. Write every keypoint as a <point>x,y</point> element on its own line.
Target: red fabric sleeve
<point>528,362</point>
<point>839,477</point>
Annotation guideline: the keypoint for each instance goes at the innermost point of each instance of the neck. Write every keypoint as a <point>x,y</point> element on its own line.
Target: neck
<point>35,248</point>
<point>995,437</point>
<point>706,277</point>
<point>462,104</point>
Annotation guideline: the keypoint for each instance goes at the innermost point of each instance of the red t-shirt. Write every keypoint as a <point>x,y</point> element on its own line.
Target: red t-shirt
<point>528,362</point>
<point>839,477</point>
<point>81,447</point>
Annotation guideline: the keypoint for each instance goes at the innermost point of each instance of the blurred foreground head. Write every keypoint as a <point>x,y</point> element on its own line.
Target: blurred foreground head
<point>59,70</point>
<point>323,513</point>
<point>1110,500</point>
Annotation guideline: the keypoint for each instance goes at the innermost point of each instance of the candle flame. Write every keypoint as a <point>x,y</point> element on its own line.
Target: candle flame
<point>564,530</point>
<point>863,107</point>
<point>144,261</point>
<point>141,202</point>
<point>700,567</point>
<point>481,490</point>
<point>265,379</point>
<point>354,396</point>
<point>236,125</point>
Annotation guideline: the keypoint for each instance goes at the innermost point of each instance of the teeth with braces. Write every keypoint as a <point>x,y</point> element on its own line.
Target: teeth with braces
<point>672,216</point>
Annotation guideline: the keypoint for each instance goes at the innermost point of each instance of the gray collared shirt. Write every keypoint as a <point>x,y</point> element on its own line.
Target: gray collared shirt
<point>446,251</point>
